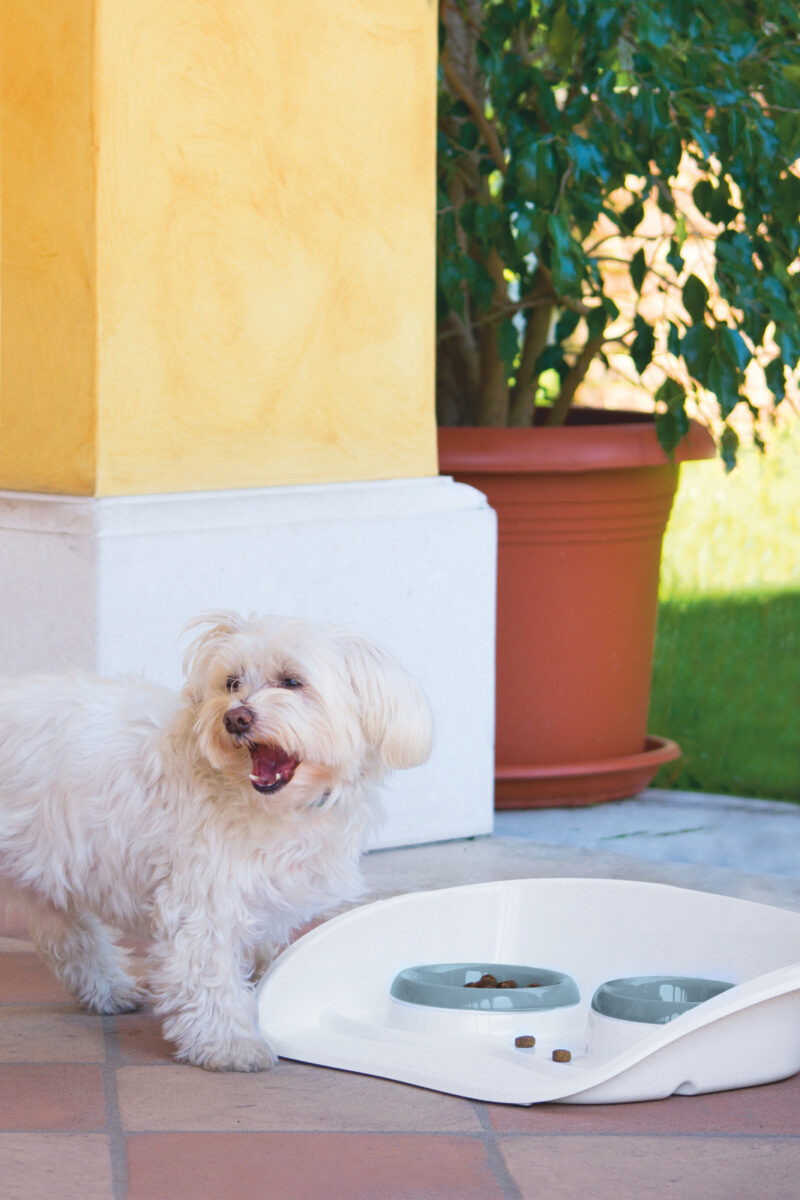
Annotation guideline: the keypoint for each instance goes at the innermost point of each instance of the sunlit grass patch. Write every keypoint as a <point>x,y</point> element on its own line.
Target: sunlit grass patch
<point>737,532</point>
<point>726,679</point>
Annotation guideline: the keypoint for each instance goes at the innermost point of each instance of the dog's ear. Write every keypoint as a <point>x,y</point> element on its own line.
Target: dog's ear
<point>395,714</point>
<point>221,625</point>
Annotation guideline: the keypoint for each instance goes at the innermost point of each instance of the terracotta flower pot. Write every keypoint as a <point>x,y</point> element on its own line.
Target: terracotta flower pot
<point>582,512</point>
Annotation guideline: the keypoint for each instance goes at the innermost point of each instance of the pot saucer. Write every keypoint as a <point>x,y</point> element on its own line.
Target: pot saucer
<point>582,783</point>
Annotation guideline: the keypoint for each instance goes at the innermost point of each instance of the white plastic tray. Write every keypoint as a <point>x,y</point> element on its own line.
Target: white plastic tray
<point>326,999</point>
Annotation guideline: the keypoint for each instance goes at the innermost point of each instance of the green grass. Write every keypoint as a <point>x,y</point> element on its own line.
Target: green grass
<point>726,677</point>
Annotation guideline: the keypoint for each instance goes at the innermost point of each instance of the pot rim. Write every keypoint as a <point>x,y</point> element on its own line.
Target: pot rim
<point>483,450</point>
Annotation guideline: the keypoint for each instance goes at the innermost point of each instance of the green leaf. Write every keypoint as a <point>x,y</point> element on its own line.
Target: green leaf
<point>729,444</point>
<point>643,344</point>
<point>703,197</point>
<point>529,226</point>
<point>480,221</point>
<point>563,257</point>
<point>566,325</point>
<point>587,158</point>
<point>697,346</point>
<point>508,344</point>
<point>788,340</point>
<point>724,381</point>
<point>776,379</point>
<point>695,297</point>
<point>533,172</point>
<point>670,429</point>
<point>631,216</point>
<point>674,256</point>
<point>561,40</point>
<point>673,339</point>
<point>611,310</point>
<point>449,280</point>
<point>481,284</point>
<point>672,424</point>
<point>672,393</point>
<point>638,269</point>
<point>735,347</point>
<point>653,25</point>
<point>714,202</point>
<point>596,321</point>
<point>468,136</point>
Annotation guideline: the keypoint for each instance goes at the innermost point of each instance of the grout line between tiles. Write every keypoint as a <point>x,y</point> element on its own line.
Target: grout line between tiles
<point>644,1135</point>
<point>116,1135</point>
<point>494,1154</point>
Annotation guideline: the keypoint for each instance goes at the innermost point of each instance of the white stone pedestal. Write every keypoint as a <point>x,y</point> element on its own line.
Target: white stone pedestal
<point>108,584</point>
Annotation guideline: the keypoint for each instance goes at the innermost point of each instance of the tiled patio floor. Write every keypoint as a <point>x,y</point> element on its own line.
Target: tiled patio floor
<point>92,1108</point>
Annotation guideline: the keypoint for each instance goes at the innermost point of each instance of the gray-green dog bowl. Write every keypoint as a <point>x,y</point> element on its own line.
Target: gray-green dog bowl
<point>654,999</point>
<point>444,985</point>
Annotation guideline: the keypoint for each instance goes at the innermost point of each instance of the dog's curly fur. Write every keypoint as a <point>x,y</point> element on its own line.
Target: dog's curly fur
<point>215,822</point>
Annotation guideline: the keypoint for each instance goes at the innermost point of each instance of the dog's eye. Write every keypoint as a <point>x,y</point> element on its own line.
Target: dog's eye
<point>232,683</point>
<point>290,681</point>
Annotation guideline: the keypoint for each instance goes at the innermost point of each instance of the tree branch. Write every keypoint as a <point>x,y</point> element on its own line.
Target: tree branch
<point>493,393</point>
<point>487,130</point>
<point>523,395</point>
<point>575,377</point>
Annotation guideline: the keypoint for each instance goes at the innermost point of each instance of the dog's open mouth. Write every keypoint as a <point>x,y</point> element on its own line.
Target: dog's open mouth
<point>272,768</point>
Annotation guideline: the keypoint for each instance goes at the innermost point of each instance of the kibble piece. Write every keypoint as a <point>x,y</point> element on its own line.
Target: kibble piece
<point>485,981</point>
<point>533,985</point>
<point>508,983</point>
<point>561,1056</point>
<point>524,1040</point>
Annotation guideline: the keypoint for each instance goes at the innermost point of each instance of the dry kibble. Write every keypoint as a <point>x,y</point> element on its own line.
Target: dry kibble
<point>489,981</point>
<point>561,1056</point>
<point>485,981</point>
<point>524,1041</point>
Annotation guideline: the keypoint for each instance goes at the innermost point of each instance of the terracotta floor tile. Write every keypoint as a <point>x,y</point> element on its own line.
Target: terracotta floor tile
<point>15,943</point>
<point>50,1033</point>
<point>307,1166</point>
<point>771,1109</point>
<point>13,912</point>
<point>55,1096</point>
<point>25,979</point>
<point>54,1166</point>
<point>139,1039</point>
<point>290,1097</point>
<point>653,1168</point>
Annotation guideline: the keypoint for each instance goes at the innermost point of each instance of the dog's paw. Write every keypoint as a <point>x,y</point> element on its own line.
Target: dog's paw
<point>121,998</point>
<point>237,1054</point>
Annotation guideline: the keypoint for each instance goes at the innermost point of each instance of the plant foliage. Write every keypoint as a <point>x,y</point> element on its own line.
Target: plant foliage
<point>591,147</point>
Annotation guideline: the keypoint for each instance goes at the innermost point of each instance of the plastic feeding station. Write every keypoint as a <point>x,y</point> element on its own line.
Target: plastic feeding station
<point>583,991</point>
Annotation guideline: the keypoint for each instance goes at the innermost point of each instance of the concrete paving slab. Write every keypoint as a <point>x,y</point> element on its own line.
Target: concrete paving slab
<point>476,860</point>
<point>659,826</point>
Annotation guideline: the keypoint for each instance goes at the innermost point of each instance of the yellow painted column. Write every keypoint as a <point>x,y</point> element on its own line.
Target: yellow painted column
<point>217,243</point>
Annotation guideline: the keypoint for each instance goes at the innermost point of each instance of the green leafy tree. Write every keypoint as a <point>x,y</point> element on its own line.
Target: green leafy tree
<point>562,124</point>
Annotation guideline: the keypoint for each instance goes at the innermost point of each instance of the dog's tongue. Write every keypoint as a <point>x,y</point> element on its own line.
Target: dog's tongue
<point>272,768</point>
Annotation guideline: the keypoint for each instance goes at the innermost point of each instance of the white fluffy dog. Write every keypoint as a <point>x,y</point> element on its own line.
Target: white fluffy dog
<point>215,822</point>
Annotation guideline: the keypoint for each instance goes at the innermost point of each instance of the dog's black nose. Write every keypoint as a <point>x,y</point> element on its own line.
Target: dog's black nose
<point>239,719</point>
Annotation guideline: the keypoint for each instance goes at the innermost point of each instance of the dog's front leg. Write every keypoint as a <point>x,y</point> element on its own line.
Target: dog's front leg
<point>199,982</point>
<point>84,955</point>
